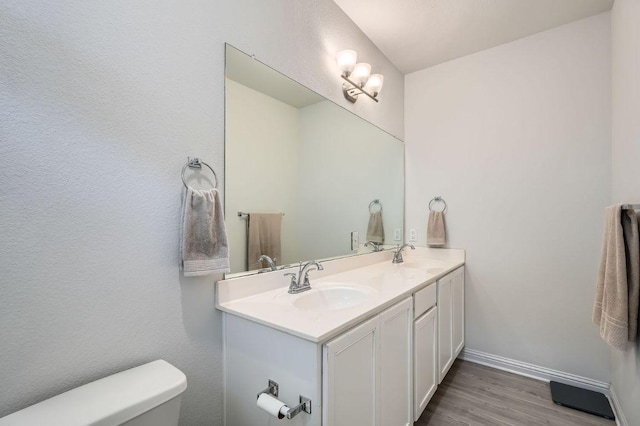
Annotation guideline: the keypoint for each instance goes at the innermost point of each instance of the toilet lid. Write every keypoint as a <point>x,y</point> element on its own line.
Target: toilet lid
<point>112,400</point>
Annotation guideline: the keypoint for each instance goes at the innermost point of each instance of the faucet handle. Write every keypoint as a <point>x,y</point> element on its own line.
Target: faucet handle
<point>397,255</point>
<point>294,278</point>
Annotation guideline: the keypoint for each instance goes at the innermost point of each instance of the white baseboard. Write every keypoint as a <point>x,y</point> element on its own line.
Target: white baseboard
<point>617,409</point>
<point>533,371</point>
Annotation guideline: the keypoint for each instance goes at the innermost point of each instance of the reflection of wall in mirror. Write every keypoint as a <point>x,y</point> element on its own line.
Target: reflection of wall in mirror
<point>320,165</point>
<point>260,131</point>
<point>347,163</point>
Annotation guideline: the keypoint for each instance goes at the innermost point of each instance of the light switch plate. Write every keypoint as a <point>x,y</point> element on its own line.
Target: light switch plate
<point>355,240</point>
<point>397,234</point>
<point>413,235</point>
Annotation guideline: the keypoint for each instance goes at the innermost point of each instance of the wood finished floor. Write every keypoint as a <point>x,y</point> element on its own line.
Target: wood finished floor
<point>475,395</point>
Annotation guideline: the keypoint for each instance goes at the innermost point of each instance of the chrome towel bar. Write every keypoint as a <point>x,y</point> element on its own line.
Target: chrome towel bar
<point>435,200</point>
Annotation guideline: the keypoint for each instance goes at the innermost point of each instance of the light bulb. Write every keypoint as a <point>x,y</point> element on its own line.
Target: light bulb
<point>346,60</point>
<point>360,73</point>
<point>374,84</point>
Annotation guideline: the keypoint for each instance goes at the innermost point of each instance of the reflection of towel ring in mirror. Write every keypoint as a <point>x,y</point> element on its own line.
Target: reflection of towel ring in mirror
<point>373,203</point>
<point>435,200</point>
<point>195,163</point>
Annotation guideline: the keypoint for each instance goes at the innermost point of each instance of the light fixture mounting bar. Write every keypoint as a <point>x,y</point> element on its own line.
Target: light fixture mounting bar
<point>356,87</point>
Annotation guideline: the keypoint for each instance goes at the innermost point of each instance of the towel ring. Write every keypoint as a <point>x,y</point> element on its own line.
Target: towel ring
<point>373,203</point>
<point>195,163</point>
<point>435,200</point>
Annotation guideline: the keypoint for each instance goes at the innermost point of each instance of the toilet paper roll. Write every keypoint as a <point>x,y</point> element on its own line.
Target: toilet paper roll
<point>273,406</point>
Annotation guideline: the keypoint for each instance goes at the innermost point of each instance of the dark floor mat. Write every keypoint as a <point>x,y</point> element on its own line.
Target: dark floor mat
<point>581,399</point>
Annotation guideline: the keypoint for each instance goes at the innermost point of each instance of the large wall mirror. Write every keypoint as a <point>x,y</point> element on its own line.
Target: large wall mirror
<point>302,174</point>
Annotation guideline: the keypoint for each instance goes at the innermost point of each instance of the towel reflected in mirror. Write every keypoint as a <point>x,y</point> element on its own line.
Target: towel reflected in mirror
<point>264,239</point>
<point>375,229</point>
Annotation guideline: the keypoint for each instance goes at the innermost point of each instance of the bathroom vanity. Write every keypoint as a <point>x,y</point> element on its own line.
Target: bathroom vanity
<point>371,340</point>
<point>368,344</point>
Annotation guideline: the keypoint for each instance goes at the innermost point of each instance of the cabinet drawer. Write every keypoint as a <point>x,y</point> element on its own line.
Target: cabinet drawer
<point>424,300</point>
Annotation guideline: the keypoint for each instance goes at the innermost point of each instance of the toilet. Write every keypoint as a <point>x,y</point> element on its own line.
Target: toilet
<point>148,395</point>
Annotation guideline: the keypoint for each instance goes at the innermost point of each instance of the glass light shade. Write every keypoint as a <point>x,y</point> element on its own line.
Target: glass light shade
<point>346,60</point>
<point>374,84</point>
<point>360,73</point>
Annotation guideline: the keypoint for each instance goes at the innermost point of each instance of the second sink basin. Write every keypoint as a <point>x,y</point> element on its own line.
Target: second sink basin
<point>332,296</point>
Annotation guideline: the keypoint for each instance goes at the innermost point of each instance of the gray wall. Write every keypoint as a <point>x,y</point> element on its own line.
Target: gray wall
<point>100,104</point>
<point>516,139</point>
<point>625,366</point>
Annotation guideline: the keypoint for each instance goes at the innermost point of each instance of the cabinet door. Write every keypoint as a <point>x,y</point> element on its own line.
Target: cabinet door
<point>350,381</point>
<point>445,313</point>
<point>396,324</point>
<point>425,355</point>
<point>457,291</point>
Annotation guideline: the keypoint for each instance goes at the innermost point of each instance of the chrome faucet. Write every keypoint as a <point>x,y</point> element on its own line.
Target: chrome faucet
<point>271,262</point>
<point>376,246</point>
<point>304,273</point>
<point>300,282</point>
<point>397,255</point>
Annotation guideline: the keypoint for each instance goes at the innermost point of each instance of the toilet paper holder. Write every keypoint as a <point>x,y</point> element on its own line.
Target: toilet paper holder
<point>304,405</point>
<point>271,390</point>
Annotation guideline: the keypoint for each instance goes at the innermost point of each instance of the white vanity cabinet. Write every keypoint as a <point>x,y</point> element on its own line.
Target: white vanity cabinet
<point>362,377</point>
<point>374,364</point>
<point>396,341</point>
<point>425,349</point>
<point>457,293</point>
<point>438,335</point>
<point>350,388</point>
<point>367,371</point>
<point>450,319</point>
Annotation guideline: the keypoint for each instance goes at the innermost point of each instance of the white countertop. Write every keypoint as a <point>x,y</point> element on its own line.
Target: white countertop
<point>263,298</point>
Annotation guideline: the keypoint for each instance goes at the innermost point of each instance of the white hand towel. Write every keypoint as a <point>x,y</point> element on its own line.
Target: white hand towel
<point>436,234</point>
<point>203,244</point>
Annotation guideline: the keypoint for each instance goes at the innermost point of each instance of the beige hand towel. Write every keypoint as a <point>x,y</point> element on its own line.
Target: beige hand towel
<point>611,306</point>
<point>375,229</point>
<point>436,234</point>
<point>203,244</point>
<point>264,238</point>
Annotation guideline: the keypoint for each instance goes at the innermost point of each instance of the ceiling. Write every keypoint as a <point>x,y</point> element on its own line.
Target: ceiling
<point>416,34</point>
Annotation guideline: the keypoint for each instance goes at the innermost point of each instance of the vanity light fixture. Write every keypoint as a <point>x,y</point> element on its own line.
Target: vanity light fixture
<point>358,77</point>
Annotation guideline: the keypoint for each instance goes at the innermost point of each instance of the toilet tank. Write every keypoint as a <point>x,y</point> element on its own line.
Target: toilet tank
<point>148,395</point>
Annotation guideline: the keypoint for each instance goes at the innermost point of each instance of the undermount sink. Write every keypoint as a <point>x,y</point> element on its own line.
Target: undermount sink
<point>332,297</point>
